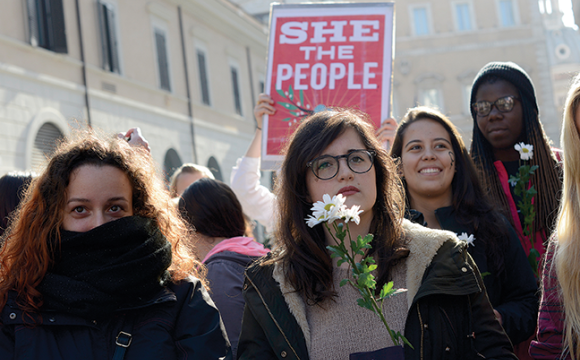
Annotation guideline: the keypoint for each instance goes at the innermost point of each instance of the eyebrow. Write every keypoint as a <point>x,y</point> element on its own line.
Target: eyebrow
<point>83,200</point>
<point>420,141</point>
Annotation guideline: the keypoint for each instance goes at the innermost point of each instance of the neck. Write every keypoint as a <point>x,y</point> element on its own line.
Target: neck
<point>205,244</point>
<point>427,207</point>
<point>509,154</point>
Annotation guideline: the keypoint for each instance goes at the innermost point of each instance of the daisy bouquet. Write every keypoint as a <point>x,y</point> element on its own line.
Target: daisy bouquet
<point>522,188</point>
<point>336,216</point>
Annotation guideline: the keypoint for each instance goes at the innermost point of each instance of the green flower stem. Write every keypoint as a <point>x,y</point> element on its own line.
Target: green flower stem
<point>366,292</point>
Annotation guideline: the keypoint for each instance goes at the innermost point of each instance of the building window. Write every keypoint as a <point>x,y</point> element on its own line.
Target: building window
<point>431,98</point>
<point>215,169</point>
<point>203,80</point>
<point>236,88</point>
<point>109,43</point>
<point>45,144</point>
<point>420,20</point>
<point>507,13</point>
<point>463,17</point>
<point>172,161</point>
<point>162,59</point>
<point>46,25</point>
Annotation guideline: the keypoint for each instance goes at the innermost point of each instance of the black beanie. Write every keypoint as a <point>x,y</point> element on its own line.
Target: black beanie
<point>512,73</point>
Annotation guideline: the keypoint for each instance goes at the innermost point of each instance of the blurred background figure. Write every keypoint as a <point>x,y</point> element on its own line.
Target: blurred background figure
<point>185,175</point>
<point>12,188</point>
<point>212,209</point>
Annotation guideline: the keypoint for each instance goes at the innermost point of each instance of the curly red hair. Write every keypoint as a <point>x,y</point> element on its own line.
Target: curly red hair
<point>26,256</point>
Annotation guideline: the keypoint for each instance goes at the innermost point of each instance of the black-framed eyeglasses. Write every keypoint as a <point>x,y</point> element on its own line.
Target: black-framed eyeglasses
<point>503,104</point>
<point>326,167</point>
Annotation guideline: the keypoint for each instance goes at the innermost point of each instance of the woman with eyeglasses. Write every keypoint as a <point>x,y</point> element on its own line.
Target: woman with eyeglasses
<point>295,308</point>
<point>443,192</point>
<point>505,112</point>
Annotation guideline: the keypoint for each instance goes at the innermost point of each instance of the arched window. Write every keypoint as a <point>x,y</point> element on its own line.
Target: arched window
<point>172,162</point>
<point>45,143</point>
<point>214,167</point>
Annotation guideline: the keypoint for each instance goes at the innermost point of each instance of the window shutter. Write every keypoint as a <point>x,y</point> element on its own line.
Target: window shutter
<point>237,100</point>
<point>44,145</point>
<point>162,60</point>
<point>56,27</point>
<point>112,38</point>
<point>103,29</point>
<point>203,77</point>
<point>32,22</point>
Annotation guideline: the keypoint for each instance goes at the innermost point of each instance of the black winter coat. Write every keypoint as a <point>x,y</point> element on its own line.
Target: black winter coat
<point>514,295</point>
<point>450,316</point>
<point>180,323</point>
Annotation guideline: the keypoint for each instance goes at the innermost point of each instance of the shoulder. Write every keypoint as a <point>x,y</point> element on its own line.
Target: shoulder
<point>424,242</point>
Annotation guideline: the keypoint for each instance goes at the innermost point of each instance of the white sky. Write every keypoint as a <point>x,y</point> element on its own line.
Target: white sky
<point>566,7</point>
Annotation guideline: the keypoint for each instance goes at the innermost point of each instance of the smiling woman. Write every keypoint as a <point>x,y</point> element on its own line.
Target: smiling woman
<point>96,252</point>
<point>443,192</point>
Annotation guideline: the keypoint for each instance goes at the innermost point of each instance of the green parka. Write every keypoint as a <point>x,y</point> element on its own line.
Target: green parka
<point>450,316</point>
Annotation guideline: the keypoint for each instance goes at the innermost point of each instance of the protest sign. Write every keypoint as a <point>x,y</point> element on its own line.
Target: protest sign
<point>323,56</point>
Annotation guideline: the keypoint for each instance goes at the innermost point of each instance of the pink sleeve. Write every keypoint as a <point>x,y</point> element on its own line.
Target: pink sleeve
<point>548,343</point>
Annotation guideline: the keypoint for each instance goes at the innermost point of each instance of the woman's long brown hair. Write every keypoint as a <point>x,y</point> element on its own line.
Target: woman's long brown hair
<point>301,249</point>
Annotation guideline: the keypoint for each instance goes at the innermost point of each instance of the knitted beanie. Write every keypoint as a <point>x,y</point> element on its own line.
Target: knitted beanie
<point>512,73</point>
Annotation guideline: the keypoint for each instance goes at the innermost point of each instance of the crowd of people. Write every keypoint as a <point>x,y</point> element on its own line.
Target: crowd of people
<point>100,258</point>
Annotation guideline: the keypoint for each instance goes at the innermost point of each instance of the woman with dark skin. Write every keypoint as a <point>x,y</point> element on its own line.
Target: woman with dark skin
<point>443,192</point>
<point>505,112</point>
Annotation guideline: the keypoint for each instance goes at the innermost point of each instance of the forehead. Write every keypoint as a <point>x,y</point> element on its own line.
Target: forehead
<point>350,139</point>
<point>491,91</point>
<point>425,129</point>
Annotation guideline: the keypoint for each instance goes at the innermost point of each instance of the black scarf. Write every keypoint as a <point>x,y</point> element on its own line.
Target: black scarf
<point>116,265</point>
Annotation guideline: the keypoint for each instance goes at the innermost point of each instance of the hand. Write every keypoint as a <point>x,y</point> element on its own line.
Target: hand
<point>135,138</point>
<point>386,133</point>
<point>498,316</point>
<point>264,106</point>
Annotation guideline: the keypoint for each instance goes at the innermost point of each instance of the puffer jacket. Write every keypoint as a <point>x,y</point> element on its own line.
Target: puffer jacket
<point>450,316</point>
<point>181,322</point>
<point>514,295</point>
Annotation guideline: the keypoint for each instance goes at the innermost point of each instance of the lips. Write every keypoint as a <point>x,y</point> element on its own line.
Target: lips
<point>348,190</point>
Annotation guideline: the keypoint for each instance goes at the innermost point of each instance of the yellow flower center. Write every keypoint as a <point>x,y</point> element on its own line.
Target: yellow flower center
<point>328,207</point>
<point>525,150</point>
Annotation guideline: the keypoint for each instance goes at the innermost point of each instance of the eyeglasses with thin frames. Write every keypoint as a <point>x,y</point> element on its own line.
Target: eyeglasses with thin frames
<point>326,167</point>
<point>503,104</point>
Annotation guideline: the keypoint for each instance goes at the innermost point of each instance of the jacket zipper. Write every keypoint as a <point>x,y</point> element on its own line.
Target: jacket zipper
<point>422,328</point>
<point>272,316</point>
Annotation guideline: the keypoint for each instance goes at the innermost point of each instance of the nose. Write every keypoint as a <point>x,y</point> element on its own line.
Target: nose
<point>494,112</point>
<point>344,172</point>
<point>428,154</point>
<point>98,220</point>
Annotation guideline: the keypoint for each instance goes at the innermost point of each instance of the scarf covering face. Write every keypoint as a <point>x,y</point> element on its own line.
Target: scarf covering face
<point>116,265</point>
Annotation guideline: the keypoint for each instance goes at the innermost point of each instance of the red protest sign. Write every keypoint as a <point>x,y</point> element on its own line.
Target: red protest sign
<point>323,56</point>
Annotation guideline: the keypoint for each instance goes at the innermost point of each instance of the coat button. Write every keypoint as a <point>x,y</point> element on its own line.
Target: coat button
<point>95,322</point>
<point>51,319</point>
<point>464,269</point>
<point>425,326</point>
<point>283,354</point>
<point>447,349</point>
<point>245,286</point>
<point>12,316</point>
